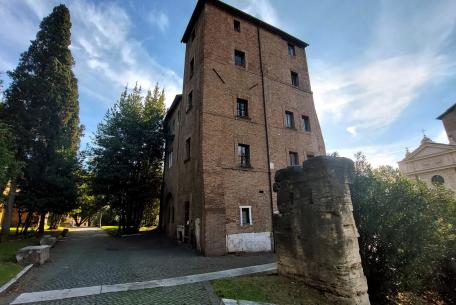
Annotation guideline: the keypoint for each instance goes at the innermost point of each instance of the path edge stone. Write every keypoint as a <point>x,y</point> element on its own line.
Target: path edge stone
<point>11,282</point>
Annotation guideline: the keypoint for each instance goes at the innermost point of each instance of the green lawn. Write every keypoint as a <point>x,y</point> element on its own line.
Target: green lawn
<point>8,266</point>
<point>269,289</point>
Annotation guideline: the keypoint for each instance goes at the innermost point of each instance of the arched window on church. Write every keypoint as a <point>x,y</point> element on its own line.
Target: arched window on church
<point>437,179</point>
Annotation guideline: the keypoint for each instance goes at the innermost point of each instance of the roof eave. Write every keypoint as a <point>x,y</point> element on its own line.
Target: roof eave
<point>200,5</point>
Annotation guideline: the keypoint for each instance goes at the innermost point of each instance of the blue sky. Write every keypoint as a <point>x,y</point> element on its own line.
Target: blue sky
<point>381,71</point>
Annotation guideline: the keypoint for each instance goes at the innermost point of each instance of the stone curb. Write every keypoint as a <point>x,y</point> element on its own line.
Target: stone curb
<point>51,295</point>
<point>15,278</point>
<point>241,302</point>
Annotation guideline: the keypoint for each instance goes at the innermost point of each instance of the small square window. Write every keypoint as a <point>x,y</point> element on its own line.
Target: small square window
<point>244,155</point>
<point>242,110</point>
<point>294,158</point>
<point>188,149</point>
<point>239,58</point>
<point>291,50</point>
<point>289,119</point>
<point>246,215</point>
<point>190,101</point>
<point>237,25</point>
<point>305,123</point>
<point>294,79</point>
<point>192,67</point>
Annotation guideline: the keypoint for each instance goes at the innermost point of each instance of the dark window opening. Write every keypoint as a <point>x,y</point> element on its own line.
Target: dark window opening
<point>289,119</point>
<point>192,67</point>
<point>291,50</point>
<point>294,79</point>
<point>190,101</point>
<point>437,180</point>
<point>305,123</point>
<point>310,156</point>
<point>246,216</point>
<point>239,58</point>
<point>294,158</point>
<point>242,110</point>
<point>244,155</point>
<point>237,25</point>
<point>187,149</point>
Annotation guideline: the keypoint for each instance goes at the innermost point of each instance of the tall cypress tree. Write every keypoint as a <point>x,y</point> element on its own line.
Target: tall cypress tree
<point>43,108</point>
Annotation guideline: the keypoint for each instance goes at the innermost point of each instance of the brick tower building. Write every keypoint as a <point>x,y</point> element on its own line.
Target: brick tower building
<point>246,111</point>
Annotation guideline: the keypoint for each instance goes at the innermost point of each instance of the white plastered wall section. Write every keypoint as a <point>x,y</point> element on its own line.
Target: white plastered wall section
<point>249,242</point>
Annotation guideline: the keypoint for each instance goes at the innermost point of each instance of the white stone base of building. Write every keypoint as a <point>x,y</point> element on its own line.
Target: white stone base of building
<point>249,242</point>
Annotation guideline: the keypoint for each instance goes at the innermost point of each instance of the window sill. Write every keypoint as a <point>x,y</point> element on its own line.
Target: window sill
<point>247,118</point>
<point>291,128</point>
<point>245,168</point>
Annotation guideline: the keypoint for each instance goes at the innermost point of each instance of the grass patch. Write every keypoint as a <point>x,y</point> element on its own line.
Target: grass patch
<point>8,271</point>
<point>269,289</point>
<point>8,266</point>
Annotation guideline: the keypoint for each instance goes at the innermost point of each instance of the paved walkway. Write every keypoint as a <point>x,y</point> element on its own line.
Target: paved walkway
<point>91,258</point>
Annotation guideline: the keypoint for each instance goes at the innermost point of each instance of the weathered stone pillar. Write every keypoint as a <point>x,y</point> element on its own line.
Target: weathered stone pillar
<point>315,233</point>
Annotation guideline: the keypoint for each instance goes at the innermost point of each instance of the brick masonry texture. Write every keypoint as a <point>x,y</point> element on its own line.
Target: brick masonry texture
<point>212,181</point>
<point>315,232</point>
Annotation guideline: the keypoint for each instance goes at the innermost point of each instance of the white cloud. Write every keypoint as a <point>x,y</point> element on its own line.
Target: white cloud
<point>159,19</point>
<point>262,9</point>
<point>352,130</point>
<point>442,137</point>
<point>370,92</point>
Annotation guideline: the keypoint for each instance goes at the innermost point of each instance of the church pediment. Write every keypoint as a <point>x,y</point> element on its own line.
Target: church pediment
<point>430,149</point>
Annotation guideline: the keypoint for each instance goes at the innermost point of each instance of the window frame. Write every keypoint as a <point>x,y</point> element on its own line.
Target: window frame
<point>305,119</point>
<point>240,101</point>
<point>294,78</point>
<point>170,159</point>
<point>244,163</point>
<point>291,49</point>
<point>242,56</point>
<point>189,101</point>
<point>188,148</point>
<point>241,218</point>
<point>292,122</point>
<point>237,25</point>
<point>192,68</point>
<point>294,158</point>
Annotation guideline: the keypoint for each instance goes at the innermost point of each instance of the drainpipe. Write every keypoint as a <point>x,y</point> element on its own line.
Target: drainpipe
<point>267,139</point>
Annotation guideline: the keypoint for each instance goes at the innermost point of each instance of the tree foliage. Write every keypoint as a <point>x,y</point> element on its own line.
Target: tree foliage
<point>407,231</point>
<point>126,158</point>
<point>86,204</point>
<point>43,110</point>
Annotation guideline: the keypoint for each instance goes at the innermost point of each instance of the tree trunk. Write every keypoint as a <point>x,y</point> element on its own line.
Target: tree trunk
<point>28,221</point>
<point>19,220</point>
<point>42,220</point>
<point>6,221</point>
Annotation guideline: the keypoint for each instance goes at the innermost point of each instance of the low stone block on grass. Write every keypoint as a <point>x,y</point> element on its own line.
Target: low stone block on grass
<point>48,240</point>
<point>36,255</point>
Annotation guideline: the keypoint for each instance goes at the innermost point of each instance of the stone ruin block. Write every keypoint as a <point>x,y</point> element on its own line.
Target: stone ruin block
<point>316,239</point>
<point>48,240</point>
<point>36,255</point>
